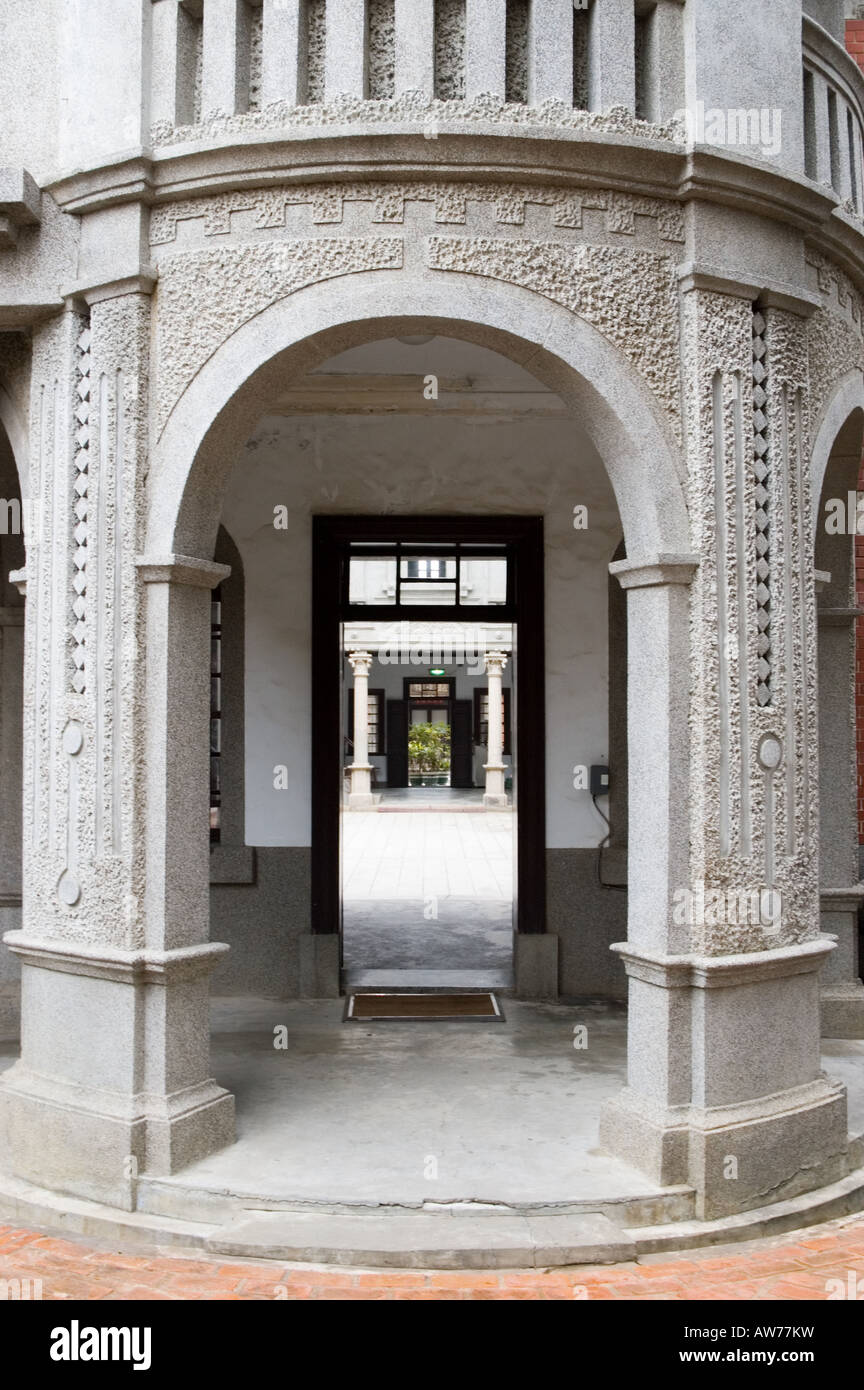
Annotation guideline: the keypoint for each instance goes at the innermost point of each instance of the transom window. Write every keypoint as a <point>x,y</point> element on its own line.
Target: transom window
<point>400,574</point>
<point>428,690</point>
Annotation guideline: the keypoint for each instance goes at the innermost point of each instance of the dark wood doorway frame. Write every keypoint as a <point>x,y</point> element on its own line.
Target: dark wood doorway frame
<point>522,539</point>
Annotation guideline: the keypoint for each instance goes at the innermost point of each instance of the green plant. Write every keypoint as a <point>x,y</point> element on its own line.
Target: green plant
<point>429,747</point>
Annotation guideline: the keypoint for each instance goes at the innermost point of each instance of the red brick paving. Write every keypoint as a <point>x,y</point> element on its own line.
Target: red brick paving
<point>789,1267</point>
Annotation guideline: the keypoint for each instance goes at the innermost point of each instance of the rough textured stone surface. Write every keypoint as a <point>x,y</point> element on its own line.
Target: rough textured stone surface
<point>231,284</point>
<point>410,108</point>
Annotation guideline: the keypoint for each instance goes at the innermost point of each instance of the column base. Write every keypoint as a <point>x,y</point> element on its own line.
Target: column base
<point>319,966</point>
<point>535,965</point>
<point>113,1078</point>
<point>736,1157</point>
<point>362,801</point>
<point>842,1010</point>
<point>10,1010</point>
<point>95,1145</point>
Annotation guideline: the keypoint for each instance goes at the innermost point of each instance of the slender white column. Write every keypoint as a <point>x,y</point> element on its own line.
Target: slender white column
<point>345,59</point>
<point>495,768</point>
<point>167,16</point>
<point>282,69</point>
<point>666,61</point>
<point>551,52</point>
<point>415,46</point>
<point>226,57</point>
<point>613,43</point>
<point>486,48</point>
<point>360,796</point>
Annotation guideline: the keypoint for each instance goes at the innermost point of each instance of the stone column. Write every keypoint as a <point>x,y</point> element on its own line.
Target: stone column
<point>360,797</point>
<point>345,51</point>
<point>113,1076</point>
<point>666,60</point>
<point>415,47</point>
<point>485,48</point>
<point>11,679</point>
<point>282,71</point>
<point>550,66</point>
<point>725,1089</point>
<point>495,768</point>
<point>224,86</point>
<point>613,44</point>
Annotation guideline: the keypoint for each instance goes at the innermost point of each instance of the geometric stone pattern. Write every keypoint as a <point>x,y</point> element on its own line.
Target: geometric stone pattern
<point>762,495</point>
<point>328,203</point>
<point>80,487</point>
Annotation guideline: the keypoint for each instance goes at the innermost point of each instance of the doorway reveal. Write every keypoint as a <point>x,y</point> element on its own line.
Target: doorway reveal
<point>421,728</point>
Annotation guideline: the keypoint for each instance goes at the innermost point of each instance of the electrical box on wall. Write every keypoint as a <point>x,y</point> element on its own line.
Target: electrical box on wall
<point>599,783</point>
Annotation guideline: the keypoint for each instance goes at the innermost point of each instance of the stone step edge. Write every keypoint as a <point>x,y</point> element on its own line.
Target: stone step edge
<point>32,1207</point>
<point>427,1243</point>
<point>842,1198</point>
<point>226,1204</point>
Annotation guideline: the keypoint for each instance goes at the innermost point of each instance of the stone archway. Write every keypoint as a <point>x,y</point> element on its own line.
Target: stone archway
<point>218,411</point>
<point>11,704</point>
<point>837,462</point>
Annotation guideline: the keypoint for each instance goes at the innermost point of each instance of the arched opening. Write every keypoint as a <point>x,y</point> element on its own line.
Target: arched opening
<point>551,424</point>
<point>840,895</point>
<point>11,705</point>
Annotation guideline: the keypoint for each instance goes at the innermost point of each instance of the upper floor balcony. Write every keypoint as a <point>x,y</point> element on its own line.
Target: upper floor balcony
<point>160,98</point>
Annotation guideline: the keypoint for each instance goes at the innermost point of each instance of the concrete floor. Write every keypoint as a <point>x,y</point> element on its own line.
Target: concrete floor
<point>407,1113</point>
<point>427,895</point>
<point>410,1113</point>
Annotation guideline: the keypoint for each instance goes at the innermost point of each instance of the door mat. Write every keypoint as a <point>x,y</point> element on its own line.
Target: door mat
<point>363,1008</point>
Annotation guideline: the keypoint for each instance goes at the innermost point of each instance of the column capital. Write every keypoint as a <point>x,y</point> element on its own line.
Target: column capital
<point>495,663</point>
<point>181,569</point>
<point>361,662</point>
<point>654,570</point>
<point>722,972</point>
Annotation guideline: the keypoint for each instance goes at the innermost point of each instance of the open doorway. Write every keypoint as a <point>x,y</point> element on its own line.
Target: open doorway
<point>430,847</point>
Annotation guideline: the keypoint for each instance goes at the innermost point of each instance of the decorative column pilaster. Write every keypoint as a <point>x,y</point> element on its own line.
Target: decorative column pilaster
<point>360,797</point>
<point>495,768</point>
<point>725,1088</point>
<point>111,941</point>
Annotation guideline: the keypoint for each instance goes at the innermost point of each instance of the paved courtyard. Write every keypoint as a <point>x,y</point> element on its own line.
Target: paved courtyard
<point>427,893</point>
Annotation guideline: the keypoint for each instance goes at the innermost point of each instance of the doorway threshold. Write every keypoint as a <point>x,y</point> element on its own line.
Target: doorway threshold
<point>407,980</point>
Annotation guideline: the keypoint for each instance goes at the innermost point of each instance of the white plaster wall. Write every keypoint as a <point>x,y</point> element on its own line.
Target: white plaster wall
<point>485,464</point>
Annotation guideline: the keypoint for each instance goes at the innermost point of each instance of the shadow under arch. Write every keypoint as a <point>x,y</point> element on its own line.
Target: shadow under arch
<point>836,470</point>
<point>220,408</point>
<point>842,417</point>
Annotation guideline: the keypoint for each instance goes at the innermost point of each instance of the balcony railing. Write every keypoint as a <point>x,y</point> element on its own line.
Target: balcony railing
<point>222,58</point>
